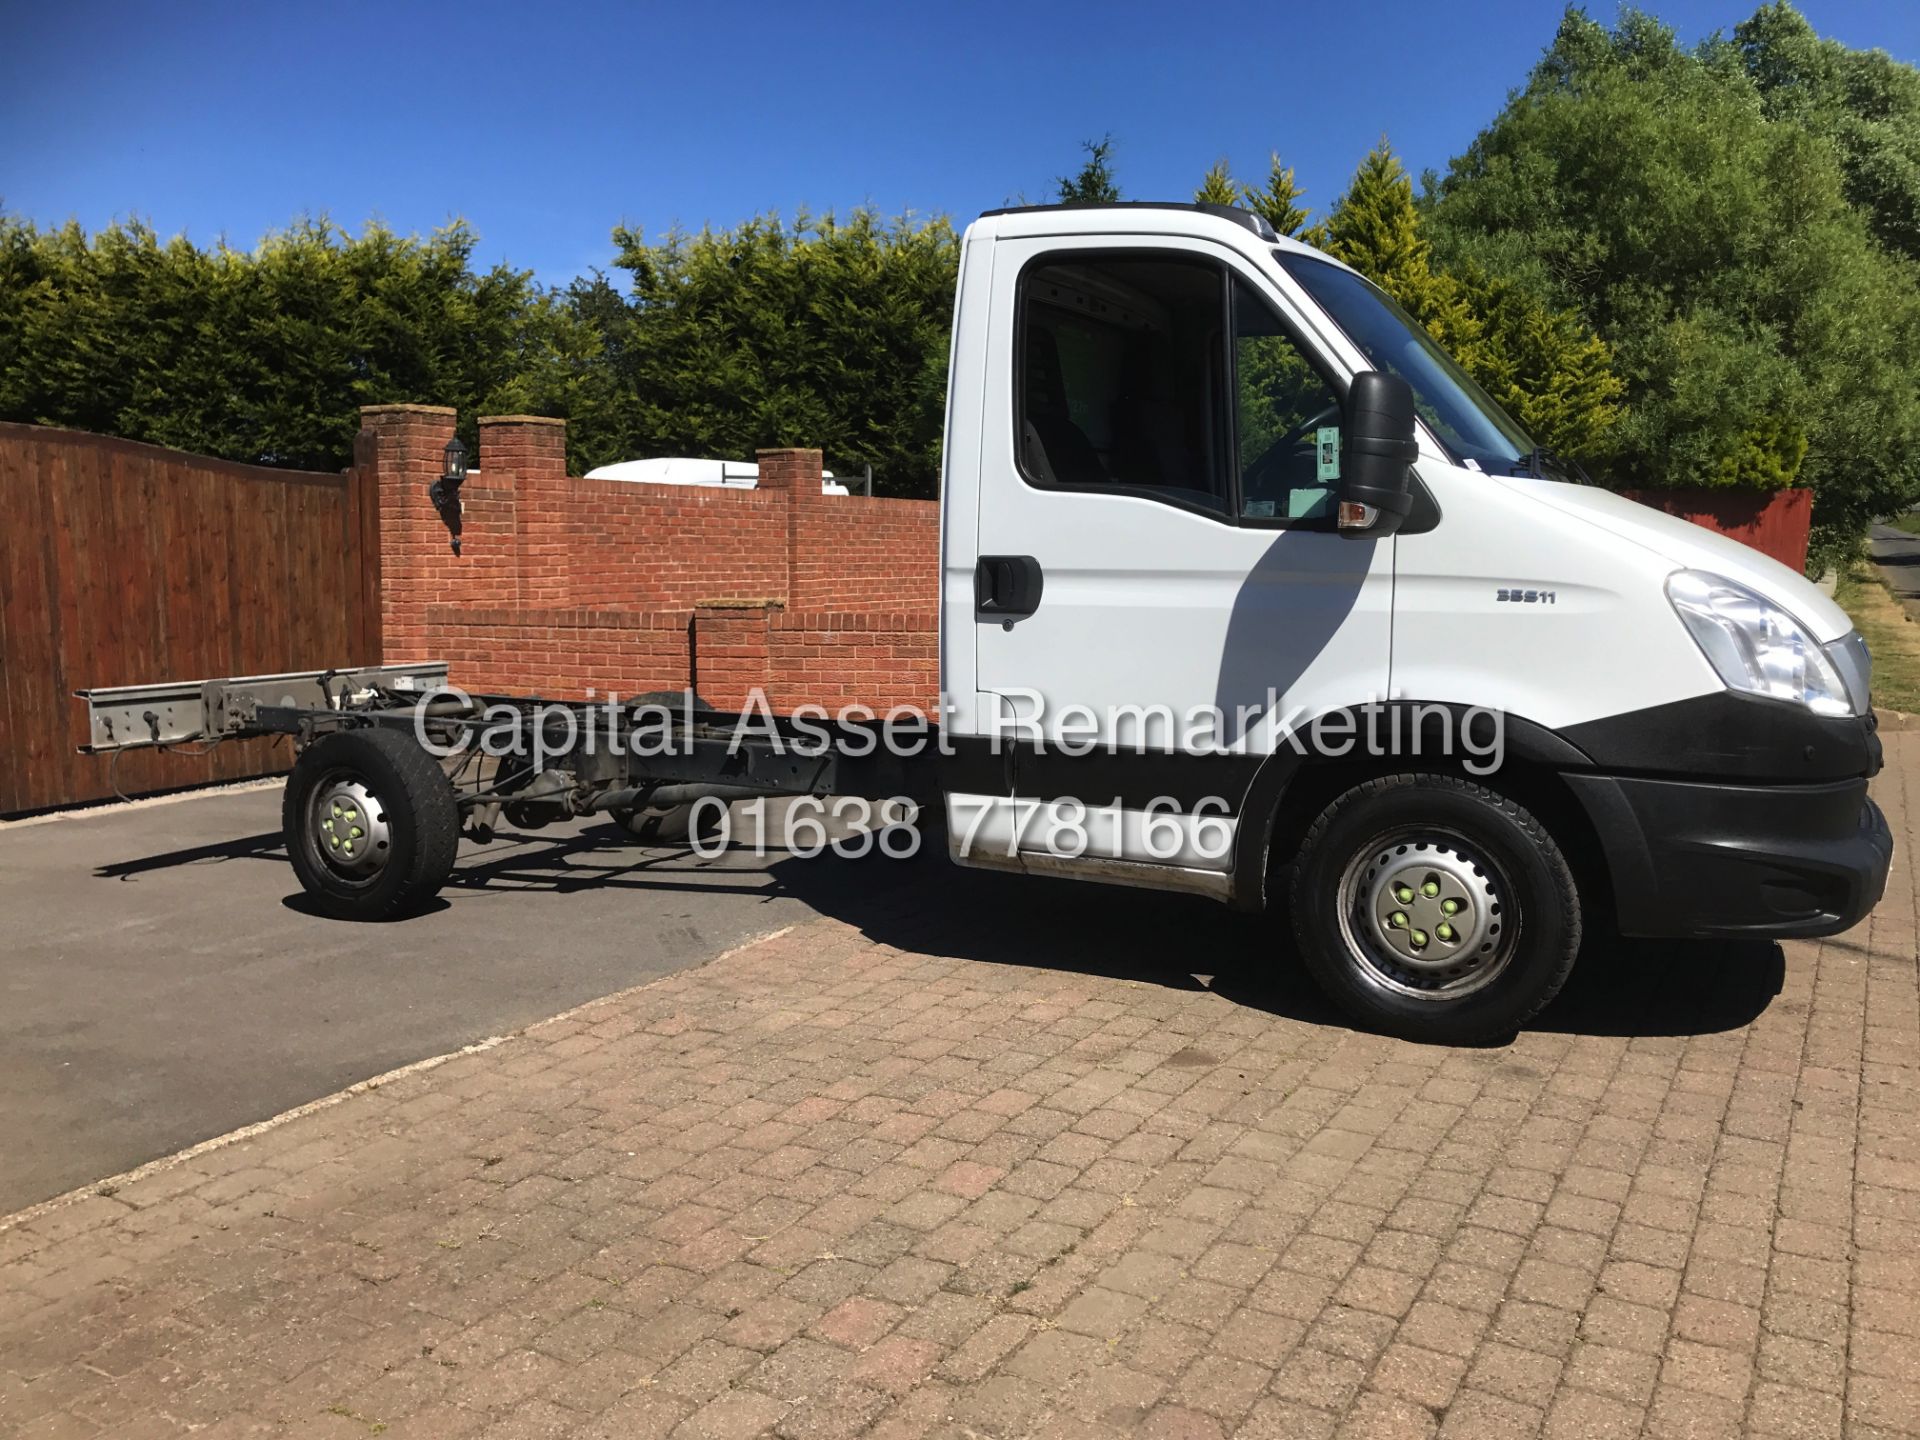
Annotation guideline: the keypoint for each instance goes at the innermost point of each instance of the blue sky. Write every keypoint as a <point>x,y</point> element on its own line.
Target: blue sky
<point>546,125</point>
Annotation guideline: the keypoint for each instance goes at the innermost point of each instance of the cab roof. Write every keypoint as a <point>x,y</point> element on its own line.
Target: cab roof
<point>1247,219</point>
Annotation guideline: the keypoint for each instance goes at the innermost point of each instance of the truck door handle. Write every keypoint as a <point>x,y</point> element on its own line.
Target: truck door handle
<point>1006,587</point>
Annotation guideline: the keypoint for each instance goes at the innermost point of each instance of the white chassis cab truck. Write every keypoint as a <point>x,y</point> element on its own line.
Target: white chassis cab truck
<point>1246,591</point>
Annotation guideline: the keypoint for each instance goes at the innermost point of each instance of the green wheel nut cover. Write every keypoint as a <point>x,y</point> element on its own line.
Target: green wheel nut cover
<point>1397,920</point>
<point>1445,932</point>
<point>1419,938</point>
<point>1430,889</point>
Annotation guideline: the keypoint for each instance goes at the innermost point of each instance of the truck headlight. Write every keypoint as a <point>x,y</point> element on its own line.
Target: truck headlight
<point>1754,644</point>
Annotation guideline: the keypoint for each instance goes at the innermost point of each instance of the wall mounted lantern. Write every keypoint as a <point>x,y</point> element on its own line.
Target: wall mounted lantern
<point>445,492</point>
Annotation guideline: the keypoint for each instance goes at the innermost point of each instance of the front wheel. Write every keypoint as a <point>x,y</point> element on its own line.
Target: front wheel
<point>371,824</point>
<point>1434,908</point>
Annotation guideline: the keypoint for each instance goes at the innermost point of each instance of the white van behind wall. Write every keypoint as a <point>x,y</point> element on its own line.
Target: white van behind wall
<point>686,470</point>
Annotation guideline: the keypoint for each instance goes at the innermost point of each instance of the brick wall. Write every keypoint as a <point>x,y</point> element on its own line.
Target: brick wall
<point>566,585</point>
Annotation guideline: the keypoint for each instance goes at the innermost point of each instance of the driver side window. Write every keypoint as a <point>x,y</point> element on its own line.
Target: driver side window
<point>1286,419</point>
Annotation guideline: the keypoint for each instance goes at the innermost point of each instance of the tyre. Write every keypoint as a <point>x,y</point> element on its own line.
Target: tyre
<point>370,823</point>
<point>1435,909</point>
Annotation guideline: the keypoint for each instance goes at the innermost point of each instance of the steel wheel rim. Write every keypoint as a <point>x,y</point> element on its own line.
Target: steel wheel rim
<point>1427,914</point>
<point>348,828</point>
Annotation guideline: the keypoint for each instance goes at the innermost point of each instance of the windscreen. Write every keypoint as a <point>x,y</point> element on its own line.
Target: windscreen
<point>1461,415</point>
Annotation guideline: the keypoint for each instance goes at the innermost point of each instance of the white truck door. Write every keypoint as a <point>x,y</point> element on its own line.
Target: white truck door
<point>1157,544</point>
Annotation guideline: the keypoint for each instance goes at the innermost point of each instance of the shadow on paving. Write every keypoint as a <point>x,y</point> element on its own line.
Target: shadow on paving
<point>927,906</point>
<point>1619,987</point>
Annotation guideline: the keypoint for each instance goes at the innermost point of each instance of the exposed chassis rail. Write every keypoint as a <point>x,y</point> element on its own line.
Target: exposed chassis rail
<point>534,760</point>
<point>127,717</point>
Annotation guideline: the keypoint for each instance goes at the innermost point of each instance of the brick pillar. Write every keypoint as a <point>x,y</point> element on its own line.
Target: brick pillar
<point>797,475</point>
<point>730,648</point>
<point>407,453</point>
<point>529,453</point>
<point>800,470</point>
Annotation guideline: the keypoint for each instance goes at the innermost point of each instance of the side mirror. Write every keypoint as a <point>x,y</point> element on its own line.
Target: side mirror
<point>1376,469</point>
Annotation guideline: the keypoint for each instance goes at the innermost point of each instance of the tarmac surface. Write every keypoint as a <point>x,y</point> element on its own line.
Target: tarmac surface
<point>1898,555</point>
<point>164,982</point>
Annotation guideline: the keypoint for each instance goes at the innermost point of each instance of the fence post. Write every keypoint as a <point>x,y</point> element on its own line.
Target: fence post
<point>363,552</point>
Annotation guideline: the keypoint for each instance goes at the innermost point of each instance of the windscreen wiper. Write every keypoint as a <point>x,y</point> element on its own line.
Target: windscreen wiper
<point>1539,460</point>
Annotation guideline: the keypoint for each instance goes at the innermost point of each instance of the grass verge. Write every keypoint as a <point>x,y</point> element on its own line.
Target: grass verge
<point>1893,638</point>
<point>1908,521</point>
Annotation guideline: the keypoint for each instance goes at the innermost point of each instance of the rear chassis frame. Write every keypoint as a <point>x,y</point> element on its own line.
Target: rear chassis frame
<point>526,758</point>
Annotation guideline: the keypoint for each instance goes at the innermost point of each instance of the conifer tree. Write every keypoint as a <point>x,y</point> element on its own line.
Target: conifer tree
<point>1277,201</point>
<point>1094,185</point>
<point>1217,188</point>
<point>1376,229</point>
<point>1545,367</point>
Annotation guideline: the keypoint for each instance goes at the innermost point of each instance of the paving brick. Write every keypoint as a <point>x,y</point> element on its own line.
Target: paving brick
<point>1319,1378</point>
<point>733,1416</point>
<point>1477,1415</point>
<point>857,1322</point>
<point>1427,1377</point>
<point>873,1187</point>
<point>1581,1415</point>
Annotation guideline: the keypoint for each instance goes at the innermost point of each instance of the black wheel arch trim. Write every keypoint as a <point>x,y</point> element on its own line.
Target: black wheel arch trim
<point>1259,809</point>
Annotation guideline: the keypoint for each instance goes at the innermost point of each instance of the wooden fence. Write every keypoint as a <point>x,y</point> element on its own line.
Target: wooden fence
<point>1777,522</point>
<point>122,563</point>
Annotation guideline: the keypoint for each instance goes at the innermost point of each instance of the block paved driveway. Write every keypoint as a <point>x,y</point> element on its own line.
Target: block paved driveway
<point>1016,1160</point>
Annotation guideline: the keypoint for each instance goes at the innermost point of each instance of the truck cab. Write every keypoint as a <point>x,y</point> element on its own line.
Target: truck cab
<point>1248,590</point>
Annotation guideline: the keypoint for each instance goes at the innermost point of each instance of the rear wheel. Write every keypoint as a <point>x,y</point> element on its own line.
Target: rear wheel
<point>370,823</point>
<point>1434,908</point>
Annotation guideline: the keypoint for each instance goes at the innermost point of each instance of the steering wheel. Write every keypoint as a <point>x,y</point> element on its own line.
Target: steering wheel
<point>1281,449</point>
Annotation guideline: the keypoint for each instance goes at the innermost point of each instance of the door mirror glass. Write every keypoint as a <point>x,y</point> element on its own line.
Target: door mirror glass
<point>1377,454</point>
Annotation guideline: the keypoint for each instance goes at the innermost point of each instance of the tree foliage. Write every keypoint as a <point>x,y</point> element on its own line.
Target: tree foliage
<point>1217,187</point>
<point>1094,184</point>
<point>262,355</point>
<point>1751,280</point>
<point>1278,201</point>
<point>821,332</point>
<point>1864,102</point>
<point>1543,365</point>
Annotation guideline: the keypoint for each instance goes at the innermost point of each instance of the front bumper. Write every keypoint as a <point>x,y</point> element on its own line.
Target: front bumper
<point>1691,860</point>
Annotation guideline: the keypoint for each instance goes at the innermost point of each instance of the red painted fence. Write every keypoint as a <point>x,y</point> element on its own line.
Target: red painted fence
<point>1775,523</point>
